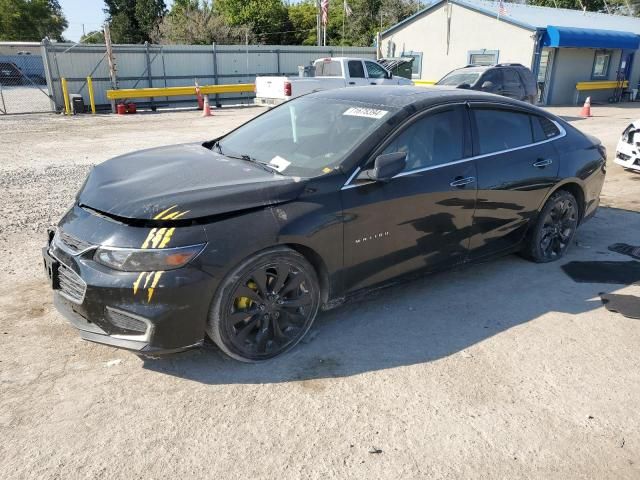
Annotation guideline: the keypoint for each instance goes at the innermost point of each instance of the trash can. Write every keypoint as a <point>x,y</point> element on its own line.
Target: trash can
<point>77,103</point>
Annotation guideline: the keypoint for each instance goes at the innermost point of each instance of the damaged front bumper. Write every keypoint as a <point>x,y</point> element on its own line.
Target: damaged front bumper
<point>151,313</point>
<point>628,149</point>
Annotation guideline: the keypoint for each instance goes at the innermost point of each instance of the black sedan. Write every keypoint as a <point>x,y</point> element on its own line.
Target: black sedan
<point>245,237</point>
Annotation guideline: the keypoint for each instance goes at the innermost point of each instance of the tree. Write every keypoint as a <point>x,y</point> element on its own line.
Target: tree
<point>302,17</point>
<point>367,17</point>
<point>197,23</point>
<point>591,5</point>
<point>268,19</point>
<point>95,36</point>
<point>134,21</point>
<point>31,20</point>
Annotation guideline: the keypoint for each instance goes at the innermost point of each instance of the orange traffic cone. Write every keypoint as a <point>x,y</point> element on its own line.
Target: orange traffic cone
<point>206,109</point>
<point>586,108</point>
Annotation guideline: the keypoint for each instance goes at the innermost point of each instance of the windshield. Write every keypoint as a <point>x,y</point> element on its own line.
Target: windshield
<point>305,137</point>
<point>459,78</point>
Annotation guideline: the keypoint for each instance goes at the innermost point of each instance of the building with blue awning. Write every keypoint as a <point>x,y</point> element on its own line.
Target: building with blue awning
<point>573,54</point>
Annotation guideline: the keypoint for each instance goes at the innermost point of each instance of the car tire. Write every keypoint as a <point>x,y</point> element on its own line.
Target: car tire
<point>264,306</point>
<point>554,230</point>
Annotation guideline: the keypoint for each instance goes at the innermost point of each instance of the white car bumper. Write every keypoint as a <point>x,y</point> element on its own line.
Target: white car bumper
<point>628,155</point>
<point>628,149</point>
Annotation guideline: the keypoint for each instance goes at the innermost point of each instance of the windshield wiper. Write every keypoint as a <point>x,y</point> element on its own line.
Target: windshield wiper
<point>249,158</point>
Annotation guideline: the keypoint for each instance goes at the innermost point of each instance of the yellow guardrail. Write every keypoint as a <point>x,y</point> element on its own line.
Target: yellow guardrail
<point>178,91</point>
<point>424,83</point>
<point>601,85</point>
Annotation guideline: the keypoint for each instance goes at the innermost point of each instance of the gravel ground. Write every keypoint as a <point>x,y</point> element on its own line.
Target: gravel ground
<point>24,98</point>
<point>502,370</point>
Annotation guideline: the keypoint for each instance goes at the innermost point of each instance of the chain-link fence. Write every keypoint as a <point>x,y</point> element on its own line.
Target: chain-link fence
<point>139,66</point>
<point>31,73</point>
<point>23,80</point>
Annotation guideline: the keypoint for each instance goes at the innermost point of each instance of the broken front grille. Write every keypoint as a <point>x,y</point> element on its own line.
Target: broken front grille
<point>71,285</point>
<point>72,243</point>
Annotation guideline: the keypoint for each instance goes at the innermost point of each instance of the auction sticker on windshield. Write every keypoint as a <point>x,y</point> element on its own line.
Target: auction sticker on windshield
<point>279,163</point>
<point>365,112</point>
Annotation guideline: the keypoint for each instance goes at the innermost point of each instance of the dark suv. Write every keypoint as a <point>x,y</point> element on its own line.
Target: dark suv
<point>511,80</point>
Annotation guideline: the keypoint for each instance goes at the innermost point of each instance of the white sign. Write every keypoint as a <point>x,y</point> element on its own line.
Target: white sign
<point>279,163</point>
<point>365,112</point>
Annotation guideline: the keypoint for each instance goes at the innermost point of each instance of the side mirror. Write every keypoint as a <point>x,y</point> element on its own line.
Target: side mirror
<point>464,86</point>
<point>488,85</point>
<point>385,167</point>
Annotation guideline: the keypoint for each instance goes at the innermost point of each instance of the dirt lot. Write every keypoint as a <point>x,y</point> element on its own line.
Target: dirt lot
<point>502,370</point>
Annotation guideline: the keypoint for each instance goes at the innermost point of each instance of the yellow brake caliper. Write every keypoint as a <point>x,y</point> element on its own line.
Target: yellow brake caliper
<point>243,303</point>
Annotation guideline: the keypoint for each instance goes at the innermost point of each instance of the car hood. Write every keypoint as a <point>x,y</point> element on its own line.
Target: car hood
<point>182,182</point>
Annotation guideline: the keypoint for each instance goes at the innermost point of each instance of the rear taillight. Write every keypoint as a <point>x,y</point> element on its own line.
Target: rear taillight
<point>287,89</point>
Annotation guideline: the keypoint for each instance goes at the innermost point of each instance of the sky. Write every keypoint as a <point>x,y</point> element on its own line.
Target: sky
<point>87,12</point>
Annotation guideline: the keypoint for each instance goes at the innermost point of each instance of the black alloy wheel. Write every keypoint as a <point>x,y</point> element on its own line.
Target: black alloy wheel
<point>555,229</point>
<point>267,307</point>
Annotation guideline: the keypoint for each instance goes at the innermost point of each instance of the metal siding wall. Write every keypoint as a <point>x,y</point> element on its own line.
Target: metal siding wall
<point>575,65</point>
<point>179,65</point>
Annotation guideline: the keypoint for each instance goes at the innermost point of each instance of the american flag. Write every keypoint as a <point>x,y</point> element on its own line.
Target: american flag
<point>324,7</point>
<point>502,10</point>
<point>347,9</point>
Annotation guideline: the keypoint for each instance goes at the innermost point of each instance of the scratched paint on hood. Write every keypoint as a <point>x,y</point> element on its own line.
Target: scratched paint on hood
<point>145,184</point>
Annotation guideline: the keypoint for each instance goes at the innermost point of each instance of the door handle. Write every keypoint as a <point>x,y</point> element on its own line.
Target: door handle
<point>373,83</point>
<point>543,162</point>
<point>460,182</point>
<point>352,83</point>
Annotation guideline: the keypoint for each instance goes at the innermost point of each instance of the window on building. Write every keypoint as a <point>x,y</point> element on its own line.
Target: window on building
<point>356,70</point>
<point>482,57</point>
<point>501,130</point>
<point>601,64</point>
<point>433,140</point>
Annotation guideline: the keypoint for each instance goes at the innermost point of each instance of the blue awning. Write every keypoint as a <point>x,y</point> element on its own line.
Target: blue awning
<point>589,38</point>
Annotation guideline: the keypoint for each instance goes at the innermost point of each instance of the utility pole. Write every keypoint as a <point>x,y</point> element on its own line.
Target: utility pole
<point>112,64</point>
<point>318,24</point>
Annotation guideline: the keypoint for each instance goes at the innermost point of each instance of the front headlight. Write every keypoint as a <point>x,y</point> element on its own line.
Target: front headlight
<point>147,260</point>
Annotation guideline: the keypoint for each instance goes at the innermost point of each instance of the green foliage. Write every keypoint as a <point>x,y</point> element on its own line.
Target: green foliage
<point>268,19</point>
<point>591,5</point>
<point>367,18</point>
<point>134,21</point>
<point>193,22</point>
<point>259,21</point>
<point>95,36</point>
<point>31,20</point>
<point>302,17</point>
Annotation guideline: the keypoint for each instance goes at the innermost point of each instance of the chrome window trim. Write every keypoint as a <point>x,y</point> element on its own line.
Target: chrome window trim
<point>562,134</point>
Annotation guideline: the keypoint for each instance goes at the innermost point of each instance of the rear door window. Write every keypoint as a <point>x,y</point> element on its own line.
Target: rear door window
<point>328,68</point>
<point>512,84</point>
<point>499,130</point>
<point>543,128</point>
<point>356,70</point>
<point>375,71</point>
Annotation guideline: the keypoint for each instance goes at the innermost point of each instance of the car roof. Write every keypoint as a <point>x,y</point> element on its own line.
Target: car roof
<point>402,96</point>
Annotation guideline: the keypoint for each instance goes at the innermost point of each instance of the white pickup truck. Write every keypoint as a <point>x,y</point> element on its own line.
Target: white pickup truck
<point>335,72</point>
